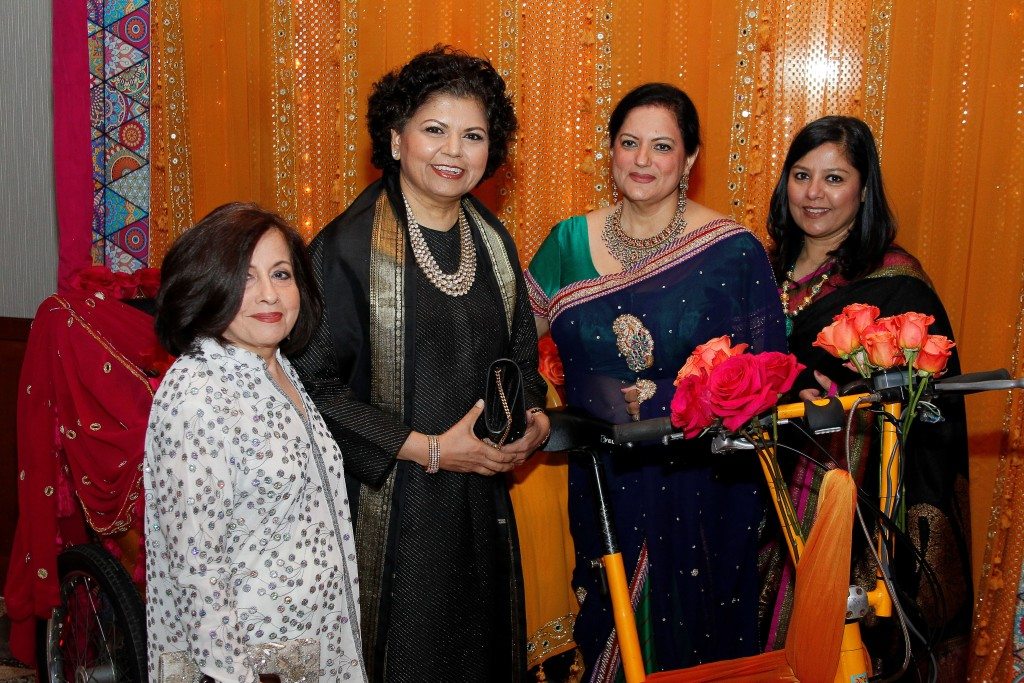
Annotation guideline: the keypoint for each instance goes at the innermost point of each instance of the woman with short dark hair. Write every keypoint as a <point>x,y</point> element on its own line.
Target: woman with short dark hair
<point>248,531</point>
<point>833,245</point>
<point>204,275</point>
<point>423,291</point>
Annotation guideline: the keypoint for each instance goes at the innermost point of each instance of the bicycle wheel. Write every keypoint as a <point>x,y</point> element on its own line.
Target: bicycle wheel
<point>98,631</point>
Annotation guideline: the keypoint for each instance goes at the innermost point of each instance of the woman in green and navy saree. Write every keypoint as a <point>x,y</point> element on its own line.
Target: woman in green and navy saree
<point>628,291</point>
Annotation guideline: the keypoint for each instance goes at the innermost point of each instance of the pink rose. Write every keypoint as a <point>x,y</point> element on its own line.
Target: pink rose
<point>860,315</point>
<point>691,411</point>
<point>780,370</point>
<point>881,347</point>
<point>934,354</point>
<point>913,329</point>
<point>840,338</point>
<point>737,391</point>
<point>707,355</point>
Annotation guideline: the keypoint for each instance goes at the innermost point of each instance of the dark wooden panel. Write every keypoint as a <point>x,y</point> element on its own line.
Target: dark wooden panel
<point>13,335</point>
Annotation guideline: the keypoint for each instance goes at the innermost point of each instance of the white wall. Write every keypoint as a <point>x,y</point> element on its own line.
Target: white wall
<point>28,224</point>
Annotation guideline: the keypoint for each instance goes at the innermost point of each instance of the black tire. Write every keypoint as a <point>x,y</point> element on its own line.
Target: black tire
<point>98,632</point>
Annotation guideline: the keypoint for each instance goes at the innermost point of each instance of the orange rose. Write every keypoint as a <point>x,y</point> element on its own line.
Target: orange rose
<point>861,315</point>
<point>934,354</point>
<point>913,329</point>
<point>881,347</point>
<point>549,364</point>
<point>840,338</point>
<point>708,355</point>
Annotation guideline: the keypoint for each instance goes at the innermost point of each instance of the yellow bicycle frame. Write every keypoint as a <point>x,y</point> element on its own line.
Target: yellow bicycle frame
<point>854,663</point>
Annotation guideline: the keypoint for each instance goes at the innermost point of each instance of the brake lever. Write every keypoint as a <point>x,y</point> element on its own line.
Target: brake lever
<point>723,443</point>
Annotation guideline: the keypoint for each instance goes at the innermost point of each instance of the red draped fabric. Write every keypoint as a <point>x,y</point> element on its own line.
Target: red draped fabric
<point>84,398</point>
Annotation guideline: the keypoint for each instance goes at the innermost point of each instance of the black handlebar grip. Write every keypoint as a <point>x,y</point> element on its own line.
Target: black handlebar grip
<point>644,430</point>
<point>970,377</point>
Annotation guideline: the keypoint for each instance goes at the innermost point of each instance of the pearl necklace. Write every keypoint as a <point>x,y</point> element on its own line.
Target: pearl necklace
<point>630,251</point>
<point>452,284</point>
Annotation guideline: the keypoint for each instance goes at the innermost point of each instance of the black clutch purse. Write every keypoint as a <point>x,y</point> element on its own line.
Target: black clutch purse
<point>504,416</point>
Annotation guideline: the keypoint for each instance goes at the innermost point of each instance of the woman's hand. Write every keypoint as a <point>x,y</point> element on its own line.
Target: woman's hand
<point>631,395</point>
<point>827,385</point>
<point>462,451</point>
<point>538,428</point>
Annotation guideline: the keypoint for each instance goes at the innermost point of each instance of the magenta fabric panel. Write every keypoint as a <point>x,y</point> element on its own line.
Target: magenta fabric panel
<point>72,161</point>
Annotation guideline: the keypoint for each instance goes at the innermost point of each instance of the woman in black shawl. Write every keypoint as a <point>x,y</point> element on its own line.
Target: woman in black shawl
<point>832,233</point>
<point>423,290</point>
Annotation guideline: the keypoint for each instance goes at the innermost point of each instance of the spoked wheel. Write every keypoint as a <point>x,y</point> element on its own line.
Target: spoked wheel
<point>97,633</point>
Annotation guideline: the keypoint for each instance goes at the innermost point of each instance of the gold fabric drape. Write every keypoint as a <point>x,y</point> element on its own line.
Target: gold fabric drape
<point>265,100</point>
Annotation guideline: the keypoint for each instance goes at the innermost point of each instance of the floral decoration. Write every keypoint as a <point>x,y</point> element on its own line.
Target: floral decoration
<point>550,364</point>
<point>870,344</point>
<point>720,382</point>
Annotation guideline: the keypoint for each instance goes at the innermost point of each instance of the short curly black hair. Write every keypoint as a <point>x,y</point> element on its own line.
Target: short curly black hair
<point>440,70</point>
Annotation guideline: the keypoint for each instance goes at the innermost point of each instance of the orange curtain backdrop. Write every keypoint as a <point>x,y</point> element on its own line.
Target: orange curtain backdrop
<point>265,100</point>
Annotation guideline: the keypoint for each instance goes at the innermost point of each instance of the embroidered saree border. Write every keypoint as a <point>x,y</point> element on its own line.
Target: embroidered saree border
<point>387,369</point>
<point>695,243</point>
<point>499,262</point>
<point>553,638</point>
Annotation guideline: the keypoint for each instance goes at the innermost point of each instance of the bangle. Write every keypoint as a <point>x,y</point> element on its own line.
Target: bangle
<point>433,454</point>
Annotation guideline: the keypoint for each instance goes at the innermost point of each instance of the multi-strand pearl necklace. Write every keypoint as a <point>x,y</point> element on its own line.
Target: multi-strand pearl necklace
<point>452,284</point>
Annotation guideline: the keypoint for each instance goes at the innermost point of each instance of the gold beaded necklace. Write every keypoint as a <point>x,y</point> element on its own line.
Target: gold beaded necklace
<point>790,284</point>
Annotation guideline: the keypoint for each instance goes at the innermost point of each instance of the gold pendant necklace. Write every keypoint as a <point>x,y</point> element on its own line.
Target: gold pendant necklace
<point>789,284</point>
<point>630,251</point>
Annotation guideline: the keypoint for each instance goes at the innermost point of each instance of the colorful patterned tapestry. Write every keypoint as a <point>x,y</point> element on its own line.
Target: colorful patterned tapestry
<point>119,85</point>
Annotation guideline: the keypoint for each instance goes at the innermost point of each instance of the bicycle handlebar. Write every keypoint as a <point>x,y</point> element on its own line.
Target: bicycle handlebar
<point>643,430</point>
<point>990,380</point>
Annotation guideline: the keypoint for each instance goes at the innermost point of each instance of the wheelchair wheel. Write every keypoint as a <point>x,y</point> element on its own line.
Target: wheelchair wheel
<point>98,631</point>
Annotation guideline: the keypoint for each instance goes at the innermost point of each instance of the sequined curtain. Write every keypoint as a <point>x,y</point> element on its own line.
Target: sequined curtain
<point>265,100</point>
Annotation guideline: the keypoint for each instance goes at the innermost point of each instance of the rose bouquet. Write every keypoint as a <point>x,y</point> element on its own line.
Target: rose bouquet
<point>871,344</point>
<point>720,382</point>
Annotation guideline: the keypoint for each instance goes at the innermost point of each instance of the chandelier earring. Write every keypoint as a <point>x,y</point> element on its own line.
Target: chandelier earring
<point>615,193</point>
<point>684,183</point>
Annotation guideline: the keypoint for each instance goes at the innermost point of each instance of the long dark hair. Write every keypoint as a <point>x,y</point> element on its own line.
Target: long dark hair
<point>659,95</point>
<point>202,279</point>
<point>874,228</point>
<point>439,70</point>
